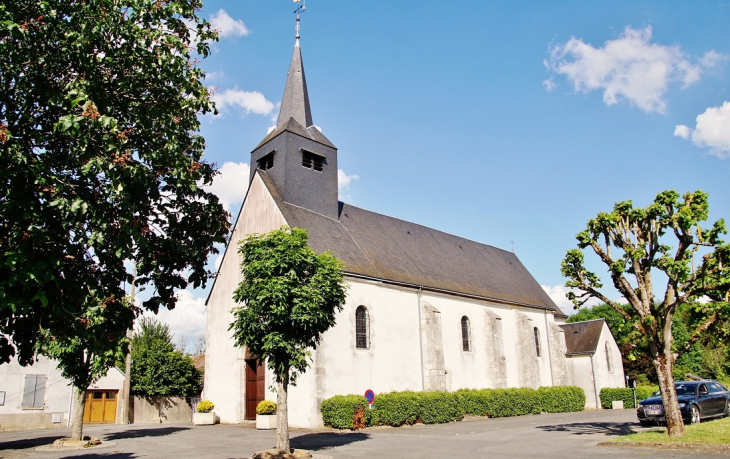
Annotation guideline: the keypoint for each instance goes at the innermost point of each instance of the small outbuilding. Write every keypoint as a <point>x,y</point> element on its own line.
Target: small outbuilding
<point>593,358</point>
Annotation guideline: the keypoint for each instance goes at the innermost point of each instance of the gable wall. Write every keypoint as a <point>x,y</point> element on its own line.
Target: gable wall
<point>224,363</point>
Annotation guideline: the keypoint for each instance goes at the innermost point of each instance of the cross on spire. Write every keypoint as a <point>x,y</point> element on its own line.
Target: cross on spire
<point>301,9</point>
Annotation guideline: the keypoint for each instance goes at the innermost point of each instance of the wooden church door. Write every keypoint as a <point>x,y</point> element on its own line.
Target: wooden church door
<point>255,386</point>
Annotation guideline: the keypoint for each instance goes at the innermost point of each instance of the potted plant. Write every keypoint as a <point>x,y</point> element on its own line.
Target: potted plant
<point>204,415</point>
<point>266,415</point>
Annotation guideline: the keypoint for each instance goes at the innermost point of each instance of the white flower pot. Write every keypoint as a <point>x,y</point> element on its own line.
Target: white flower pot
<point>265,421</point>
<point>204,419</point>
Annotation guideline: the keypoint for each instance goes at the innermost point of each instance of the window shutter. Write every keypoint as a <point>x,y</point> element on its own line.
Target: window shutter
<point>29,391</point>
<point>40,391</point>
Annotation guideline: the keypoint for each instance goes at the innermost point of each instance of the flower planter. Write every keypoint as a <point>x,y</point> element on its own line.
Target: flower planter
<point>265,421</point>
<point>204,419</point>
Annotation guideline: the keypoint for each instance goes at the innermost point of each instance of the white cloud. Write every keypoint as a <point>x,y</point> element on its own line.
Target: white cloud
<point>549,84</point>
<point>231,184</point>
<point>629,68</point>
<point>682,131</point>
<point>251,101</point>
<point>712,130</point>
<point>557,294</point>
<point>227,26</point>
<point>188,317</point>
<point>343,184</point>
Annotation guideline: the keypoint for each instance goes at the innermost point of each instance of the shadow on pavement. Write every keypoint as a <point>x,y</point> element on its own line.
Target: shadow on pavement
<point>590,428</point>
<point>109,455</point>
<point>324,440</point>
<point>139,433</point>
<point>30,443</point>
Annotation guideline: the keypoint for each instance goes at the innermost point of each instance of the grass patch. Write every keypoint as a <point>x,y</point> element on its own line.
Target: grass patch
<point>715,432</point>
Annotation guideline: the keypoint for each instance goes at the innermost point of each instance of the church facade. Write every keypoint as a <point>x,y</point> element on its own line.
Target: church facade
<point>425,310</point>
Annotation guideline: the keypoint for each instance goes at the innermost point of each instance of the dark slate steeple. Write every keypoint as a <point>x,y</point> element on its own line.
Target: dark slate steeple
<point>300,161</point>
<point>295,103</point>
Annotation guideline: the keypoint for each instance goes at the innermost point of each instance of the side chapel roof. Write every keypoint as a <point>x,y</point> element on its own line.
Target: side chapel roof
<point>383,247</point>
<point>582,337</point>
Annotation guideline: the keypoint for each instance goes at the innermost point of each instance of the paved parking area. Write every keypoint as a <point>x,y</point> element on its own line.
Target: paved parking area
<point>570,435</point>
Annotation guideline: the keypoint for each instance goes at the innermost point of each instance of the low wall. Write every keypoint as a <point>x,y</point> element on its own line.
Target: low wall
<point>31,421</point>
<point>173,409</point>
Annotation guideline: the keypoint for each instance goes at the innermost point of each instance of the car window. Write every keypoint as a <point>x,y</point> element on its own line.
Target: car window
<point>703,389</point>
<point>685,389</point>
<point>714,387</point>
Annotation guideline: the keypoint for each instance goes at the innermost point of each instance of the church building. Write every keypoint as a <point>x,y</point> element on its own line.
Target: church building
<point>425,310</point>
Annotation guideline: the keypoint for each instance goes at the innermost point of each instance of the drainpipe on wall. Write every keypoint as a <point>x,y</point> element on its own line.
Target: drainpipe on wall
<point>595,385</point>
<point>420,338</point>
<point>549,349</point>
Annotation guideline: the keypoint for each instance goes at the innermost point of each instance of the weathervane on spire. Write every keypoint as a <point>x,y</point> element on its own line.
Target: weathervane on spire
<point>302,8</point>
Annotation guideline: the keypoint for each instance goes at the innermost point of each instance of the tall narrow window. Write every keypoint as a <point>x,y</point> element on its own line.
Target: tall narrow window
<point>312,161</point>
<point>266,162</point>
<point>537,342</point>
<point>34,391</point>
<point>465,338</point>
<point>362,338</point>
<point>609,358</point>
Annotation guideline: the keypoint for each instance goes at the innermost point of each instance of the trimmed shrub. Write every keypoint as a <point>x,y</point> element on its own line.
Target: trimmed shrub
<point>266,407</point>
<point>204,406</point>
<point>625,394</point>
<point>562,399</point>
<point>398,408</point>
<point>338,411</point>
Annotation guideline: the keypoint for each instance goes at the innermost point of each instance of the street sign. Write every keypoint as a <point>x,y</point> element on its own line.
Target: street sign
<point>370,397</point>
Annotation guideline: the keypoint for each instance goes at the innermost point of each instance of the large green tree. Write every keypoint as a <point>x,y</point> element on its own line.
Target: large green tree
<point>634,244</point>
<point>290,296</point>
<point>158,369</point>
<point>100,163</point>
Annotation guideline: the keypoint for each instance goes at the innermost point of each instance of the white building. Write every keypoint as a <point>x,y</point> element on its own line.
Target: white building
<point>425,310</point>
<point>594,359</point>
<point>39,397</point>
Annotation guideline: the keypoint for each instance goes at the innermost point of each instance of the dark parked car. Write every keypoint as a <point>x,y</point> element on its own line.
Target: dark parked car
<point>697,400</point>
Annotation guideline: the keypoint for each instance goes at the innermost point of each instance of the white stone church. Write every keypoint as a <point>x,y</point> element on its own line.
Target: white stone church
<point>425,310</point>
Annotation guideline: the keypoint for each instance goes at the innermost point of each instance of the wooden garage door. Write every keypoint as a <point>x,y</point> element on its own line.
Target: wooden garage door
<point>100,406</point>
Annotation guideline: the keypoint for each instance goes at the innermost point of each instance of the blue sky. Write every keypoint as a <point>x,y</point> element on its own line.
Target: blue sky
<point>498,122</point>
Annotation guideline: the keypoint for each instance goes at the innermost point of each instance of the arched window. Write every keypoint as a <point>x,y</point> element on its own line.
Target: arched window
<point>537,341</point>
<point>465,335</point>
<point>362,335</point>
<point>609,359</point>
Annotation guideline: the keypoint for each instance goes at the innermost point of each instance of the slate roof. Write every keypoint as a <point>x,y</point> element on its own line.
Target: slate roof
<point>294,126</point>
<point>582,337</point>
<point>388,248</point>
<point>295,103</point>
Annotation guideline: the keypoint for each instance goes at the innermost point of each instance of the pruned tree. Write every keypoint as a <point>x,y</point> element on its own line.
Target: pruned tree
<point>634,244</point>
<point>159,370</point>
<point>100,163</point>
<point>290,296</point>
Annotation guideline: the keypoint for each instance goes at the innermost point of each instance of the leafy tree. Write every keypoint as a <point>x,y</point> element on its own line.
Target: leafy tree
<point>158,369</point>
<point>290,297</point>
<point>100,162</point>
<point>634,245</point>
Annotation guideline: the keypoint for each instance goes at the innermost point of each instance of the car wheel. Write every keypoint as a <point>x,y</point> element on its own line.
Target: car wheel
<point>727,408</point>
<point>694,415</point>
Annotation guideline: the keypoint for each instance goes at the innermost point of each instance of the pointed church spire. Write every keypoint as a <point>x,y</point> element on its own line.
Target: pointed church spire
<point>295,103</point>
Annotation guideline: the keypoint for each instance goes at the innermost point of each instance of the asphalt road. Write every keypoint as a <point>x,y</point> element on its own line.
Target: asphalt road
<point>570,435</point>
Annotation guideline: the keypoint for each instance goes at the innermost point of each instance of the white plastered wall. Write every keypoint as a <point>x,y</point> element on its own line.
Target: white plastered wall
<point>12,381</point>
<point>224,363</point>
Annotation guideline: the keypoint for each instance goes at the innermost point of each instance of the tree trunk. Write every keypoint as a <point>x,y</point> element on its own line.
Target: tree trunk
<point>675,424</point>
<point>282,417</point>
<point>125,398</point>
<point>77,419</point>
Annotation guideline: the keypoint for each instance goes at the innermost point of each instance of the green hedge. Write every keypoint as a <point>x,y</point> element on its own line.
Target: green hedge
<point>611,394</point>
<point>398,408</point>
